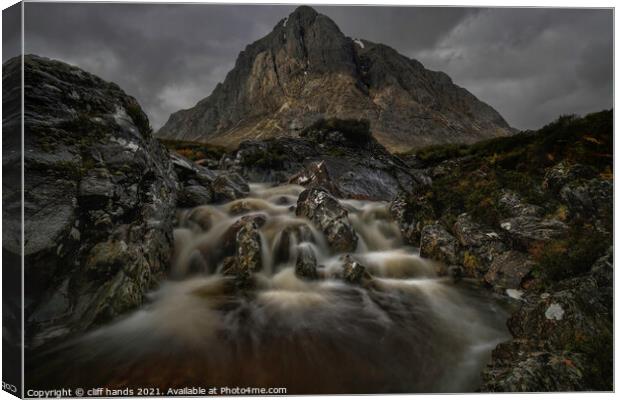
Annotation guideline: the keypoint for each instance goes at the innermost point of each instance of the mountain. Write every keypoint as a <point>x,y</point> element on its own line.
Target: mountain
<point>306,69</point>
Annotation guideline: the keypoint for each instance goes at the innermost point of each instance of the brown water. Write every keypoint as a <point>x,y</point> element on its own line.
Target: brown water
<point>412,332</point>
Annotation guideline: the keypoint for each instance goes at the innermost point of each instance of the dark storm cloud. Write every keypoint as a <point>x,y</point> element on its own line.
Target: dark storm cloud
<point>531,64</point>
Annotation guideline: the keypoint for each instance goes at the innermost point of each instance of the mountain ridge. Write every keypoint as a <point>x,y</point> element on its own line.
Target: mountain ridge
<point>306,69</point>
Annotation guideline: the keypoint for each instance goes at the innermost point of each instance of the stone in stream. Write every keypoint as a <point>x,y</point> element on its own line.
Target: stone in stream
<point>248,248</point>
<point>248,257</point>
<point>306,265</point>
<point>326,213</point>
<point>100,197</point>
<point>354,272</point>
<point>229,241</point>
<point>290,236</point>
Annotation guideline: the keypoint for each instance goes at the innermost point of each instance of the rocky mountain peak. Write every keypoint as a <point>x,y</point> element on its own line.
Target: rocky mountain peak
<point>306,69</point>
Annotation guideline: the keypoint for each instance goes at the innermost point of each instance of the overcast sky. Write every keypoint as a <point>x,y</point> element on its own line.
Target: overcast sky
<point>530,64</point>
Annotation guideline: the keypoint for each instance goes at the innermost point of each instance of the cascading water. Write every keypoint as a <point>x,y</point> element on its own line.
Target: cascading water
<point>411,332</point>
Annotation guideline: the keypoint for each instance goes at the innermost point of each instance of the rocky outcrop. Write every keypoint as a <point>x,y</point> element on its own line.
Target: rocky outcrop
<point>200,185</point>
<point>326,213</point>
<point>100,195</point>
<point>438,244</point>
<point>560,337</point>
<point>306,69</point>
<point>411,211</point>
<point>340,156</point>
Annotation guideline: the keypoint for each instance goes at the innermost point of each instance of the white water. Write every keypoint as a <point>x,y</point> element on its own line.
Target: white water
<point>411,332</point>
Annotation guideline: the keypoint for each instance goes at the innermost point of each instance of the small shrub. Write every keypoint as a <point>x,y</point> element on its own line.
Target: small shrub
<point>570,257</point>
<point>354,130</point>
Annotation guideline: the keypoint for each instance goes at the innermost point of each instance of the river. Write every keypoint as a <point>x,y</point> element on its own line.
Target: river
<point>410,332</point>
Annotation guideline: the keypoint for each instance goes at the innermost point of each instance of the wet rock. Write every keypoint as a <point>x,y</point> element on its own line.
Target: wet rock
<point>526,230</point>
<point>228,242</point>
<point>306,264</point>
<point>288,241</point>
<point>508,270</point>
<point>249,257</point>
<point>194,195</point>
<point>326,213</point>
<point>353,272</point>
<point>100,199</point>
<point>229,186</point>
<point>437,244</point>
<point>411,212</point>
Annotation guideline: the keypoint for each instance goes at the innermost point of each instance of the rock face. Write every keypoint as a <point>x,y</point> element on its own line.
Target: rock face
<point>100,196</point>
<point>306,68</point>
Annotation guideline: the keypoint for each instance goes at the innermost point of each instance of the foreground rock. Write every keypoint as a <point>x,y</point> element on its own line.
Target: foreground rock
<point>100,197</point>
<point>329,216</point>
<point>562,337</point>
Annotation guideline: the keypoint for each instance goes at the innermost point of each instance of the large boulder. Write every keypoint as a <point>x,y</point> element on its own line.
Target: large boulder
<point>326,213</point>
<point>100,195</point>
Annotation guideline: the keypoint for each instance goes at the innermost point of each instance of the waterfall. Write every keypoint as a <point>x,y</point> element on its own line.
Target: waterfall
<point>412,331</point>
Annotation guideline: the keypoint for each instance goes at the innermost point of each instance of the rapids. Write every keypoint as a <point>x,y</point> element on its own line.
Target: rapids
<point>412,332</point>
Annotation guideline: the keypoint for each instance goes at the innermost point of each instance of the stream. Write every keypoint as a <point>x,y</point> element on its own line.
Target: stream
<point>411,332</point>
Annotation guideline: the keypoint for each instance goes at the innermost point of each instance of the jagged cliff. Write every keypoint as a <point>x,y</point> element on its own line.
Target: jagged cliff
<point>306,68</point>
